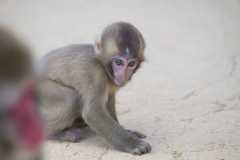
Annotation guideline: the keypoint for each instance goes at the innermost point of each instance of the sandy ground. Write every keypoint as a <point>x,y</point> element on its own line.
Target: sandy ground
<point>185,98</point>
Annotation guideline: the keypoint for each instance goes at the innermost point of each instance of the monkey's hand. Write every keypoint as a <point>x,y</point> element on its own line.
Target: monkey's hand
<point>137,146</point>
<point>137,134</point>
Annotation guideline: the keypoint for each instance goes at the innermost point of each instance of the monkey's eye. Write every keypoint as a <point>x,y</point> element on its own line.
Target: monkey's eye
<point>118,62</point>
<point>131,64</point>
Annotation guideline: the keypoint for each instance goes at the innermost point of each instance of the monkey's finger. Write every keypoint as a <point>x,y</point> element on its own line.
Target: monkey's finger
<point>137,151</point>
<point>143,149</point>
<point>149,148</point>
<point>137,134</point>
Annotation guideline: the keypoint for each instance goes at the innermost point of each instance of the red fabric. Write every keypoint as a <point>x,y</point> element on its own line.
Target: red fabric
<point>28,123</point>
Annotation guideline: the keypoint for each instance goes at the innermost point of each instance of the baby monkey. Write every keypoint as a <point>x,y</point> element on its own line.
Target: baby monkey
<point>80,82</point>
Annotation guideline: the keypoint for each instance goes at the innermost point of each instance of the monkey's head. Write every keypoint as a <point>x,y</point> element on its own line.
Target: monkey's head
<point>121,50</point>
<point>15,59</point>
<point>15,66</point>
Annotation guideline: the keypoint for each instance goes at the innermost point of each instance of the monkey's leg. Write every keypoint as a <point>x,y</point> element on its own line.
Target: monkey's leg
<point>70,134</point>
<point>60,107</point>
<point>111,110</point>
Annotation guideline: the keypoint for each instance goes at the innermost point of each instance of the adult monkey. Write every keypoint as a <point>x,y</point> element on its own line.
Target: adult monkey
<point>21,129</point>
<point>80,84</point>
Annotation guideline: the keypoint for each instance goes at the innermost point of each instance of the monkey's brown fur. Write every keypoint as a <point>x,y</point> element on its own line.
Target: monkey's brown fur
<point>79,84</point>
<point>15,59</point>
<point>15,68</point>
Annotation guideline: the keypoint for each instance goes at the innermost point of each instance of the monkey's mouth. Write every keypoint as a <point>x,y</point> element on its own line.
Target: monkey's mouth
<point>119,83</point>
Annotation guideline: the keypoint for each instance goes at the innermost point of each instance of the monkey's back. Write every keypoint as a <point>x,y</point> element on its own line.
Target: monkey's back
<point>66,64</point>
<point>68,73</point>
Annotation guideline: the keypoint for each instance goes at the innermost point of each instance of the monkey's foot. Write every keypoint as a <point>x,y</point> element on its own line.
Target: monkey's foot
<point>70,134</point>
<point>137,134</point>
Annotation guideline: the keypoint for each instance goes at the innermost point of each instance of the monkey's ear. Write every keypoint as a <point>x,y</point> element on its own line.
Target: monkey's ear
<point>98,44</point>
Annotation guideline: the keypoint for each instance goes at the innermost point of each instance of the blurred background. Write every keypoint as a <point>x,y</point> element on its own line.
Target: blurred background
<point>186,97</point>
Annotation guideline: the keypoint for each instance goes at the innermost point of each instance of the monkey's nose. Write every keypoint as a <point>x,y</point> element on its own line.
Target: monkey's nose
<point>123,78</point>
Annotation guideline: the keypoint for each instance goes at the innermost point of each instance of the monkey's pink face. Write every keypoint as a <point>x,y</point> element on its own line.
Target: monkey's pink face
<point>123,69</point>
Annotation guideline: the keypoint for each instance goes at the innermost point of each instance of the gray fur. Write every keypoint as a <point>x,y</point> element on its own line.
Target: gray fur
<point>78,85</point>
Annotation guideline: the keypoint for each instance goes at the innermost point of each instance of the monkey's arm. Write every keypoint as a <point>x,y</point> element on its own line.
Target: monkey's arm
<point>112,112</point>
<point>111,107</point>
<point>97,117</point>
